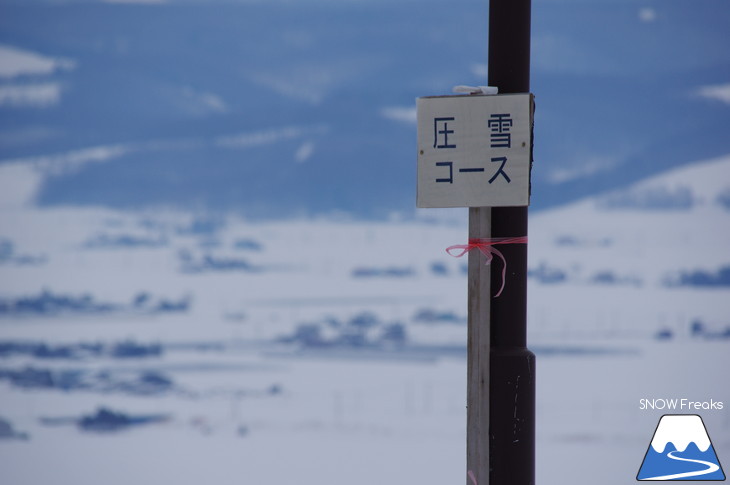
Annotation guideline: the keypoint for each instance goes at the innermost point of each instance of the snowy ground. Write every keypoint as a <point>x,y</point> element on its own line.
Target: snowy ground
<point>241,407</point>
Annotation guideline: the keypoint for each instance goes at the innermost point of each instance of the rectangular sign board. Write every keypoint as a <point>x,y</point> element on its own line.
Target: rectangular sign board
<point>474,150</point>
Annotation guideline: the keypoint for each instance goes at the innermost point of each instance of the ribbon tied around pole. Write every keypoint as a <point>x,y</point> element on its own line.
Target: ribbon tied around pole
<point>486,247</point>
<point>472,477</point>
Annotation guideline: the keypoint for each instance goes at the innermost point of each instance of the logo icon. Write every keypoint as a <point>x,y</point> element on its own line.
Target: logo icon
<point>680,450</point>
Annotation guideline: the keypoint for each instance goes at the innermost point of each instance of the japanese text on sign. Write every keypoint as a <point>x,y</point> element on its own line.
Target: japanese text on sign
<point>474,151</point>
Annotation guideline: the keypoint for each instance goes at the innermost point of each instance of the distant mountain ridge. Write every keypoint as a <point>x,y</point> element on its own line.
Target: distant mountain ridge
<point>281,110</point>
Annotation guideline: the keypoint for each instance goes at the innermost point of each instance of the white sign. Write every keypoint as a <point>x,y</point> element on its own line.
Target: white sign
<point>474,151</point>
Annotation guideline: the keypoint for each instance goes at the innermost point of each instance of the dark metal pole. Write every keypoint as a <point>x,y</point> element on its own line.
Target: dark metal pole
<point>512,367</point>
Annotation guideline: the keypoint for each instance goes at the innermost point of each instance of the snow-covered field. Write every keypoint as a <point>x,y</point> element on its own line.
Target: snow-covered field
<point>325,351</point>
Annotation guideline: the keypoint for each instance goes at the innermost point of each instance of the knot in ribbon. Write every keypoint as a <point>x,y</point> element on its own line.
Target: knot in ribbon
<point>486,247</point>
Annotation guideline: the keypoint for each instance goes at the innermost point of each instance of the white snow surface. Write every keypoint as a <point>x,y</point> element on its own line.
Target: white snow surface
<point>39,95</point>
<point>718,92</point>
<point>404,114</point>
<point>19,62</point>
<point>355,417</point>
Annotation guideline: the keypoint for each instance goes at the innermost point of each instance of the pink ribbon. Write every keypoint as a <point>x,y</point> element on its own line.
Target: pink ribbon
<point>473,478</point>
<point>486,247</point>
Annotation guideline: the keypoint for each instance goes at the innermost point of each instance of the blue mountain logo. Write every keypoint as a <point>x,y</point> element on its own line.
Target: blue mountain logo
<point>681,450</point>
